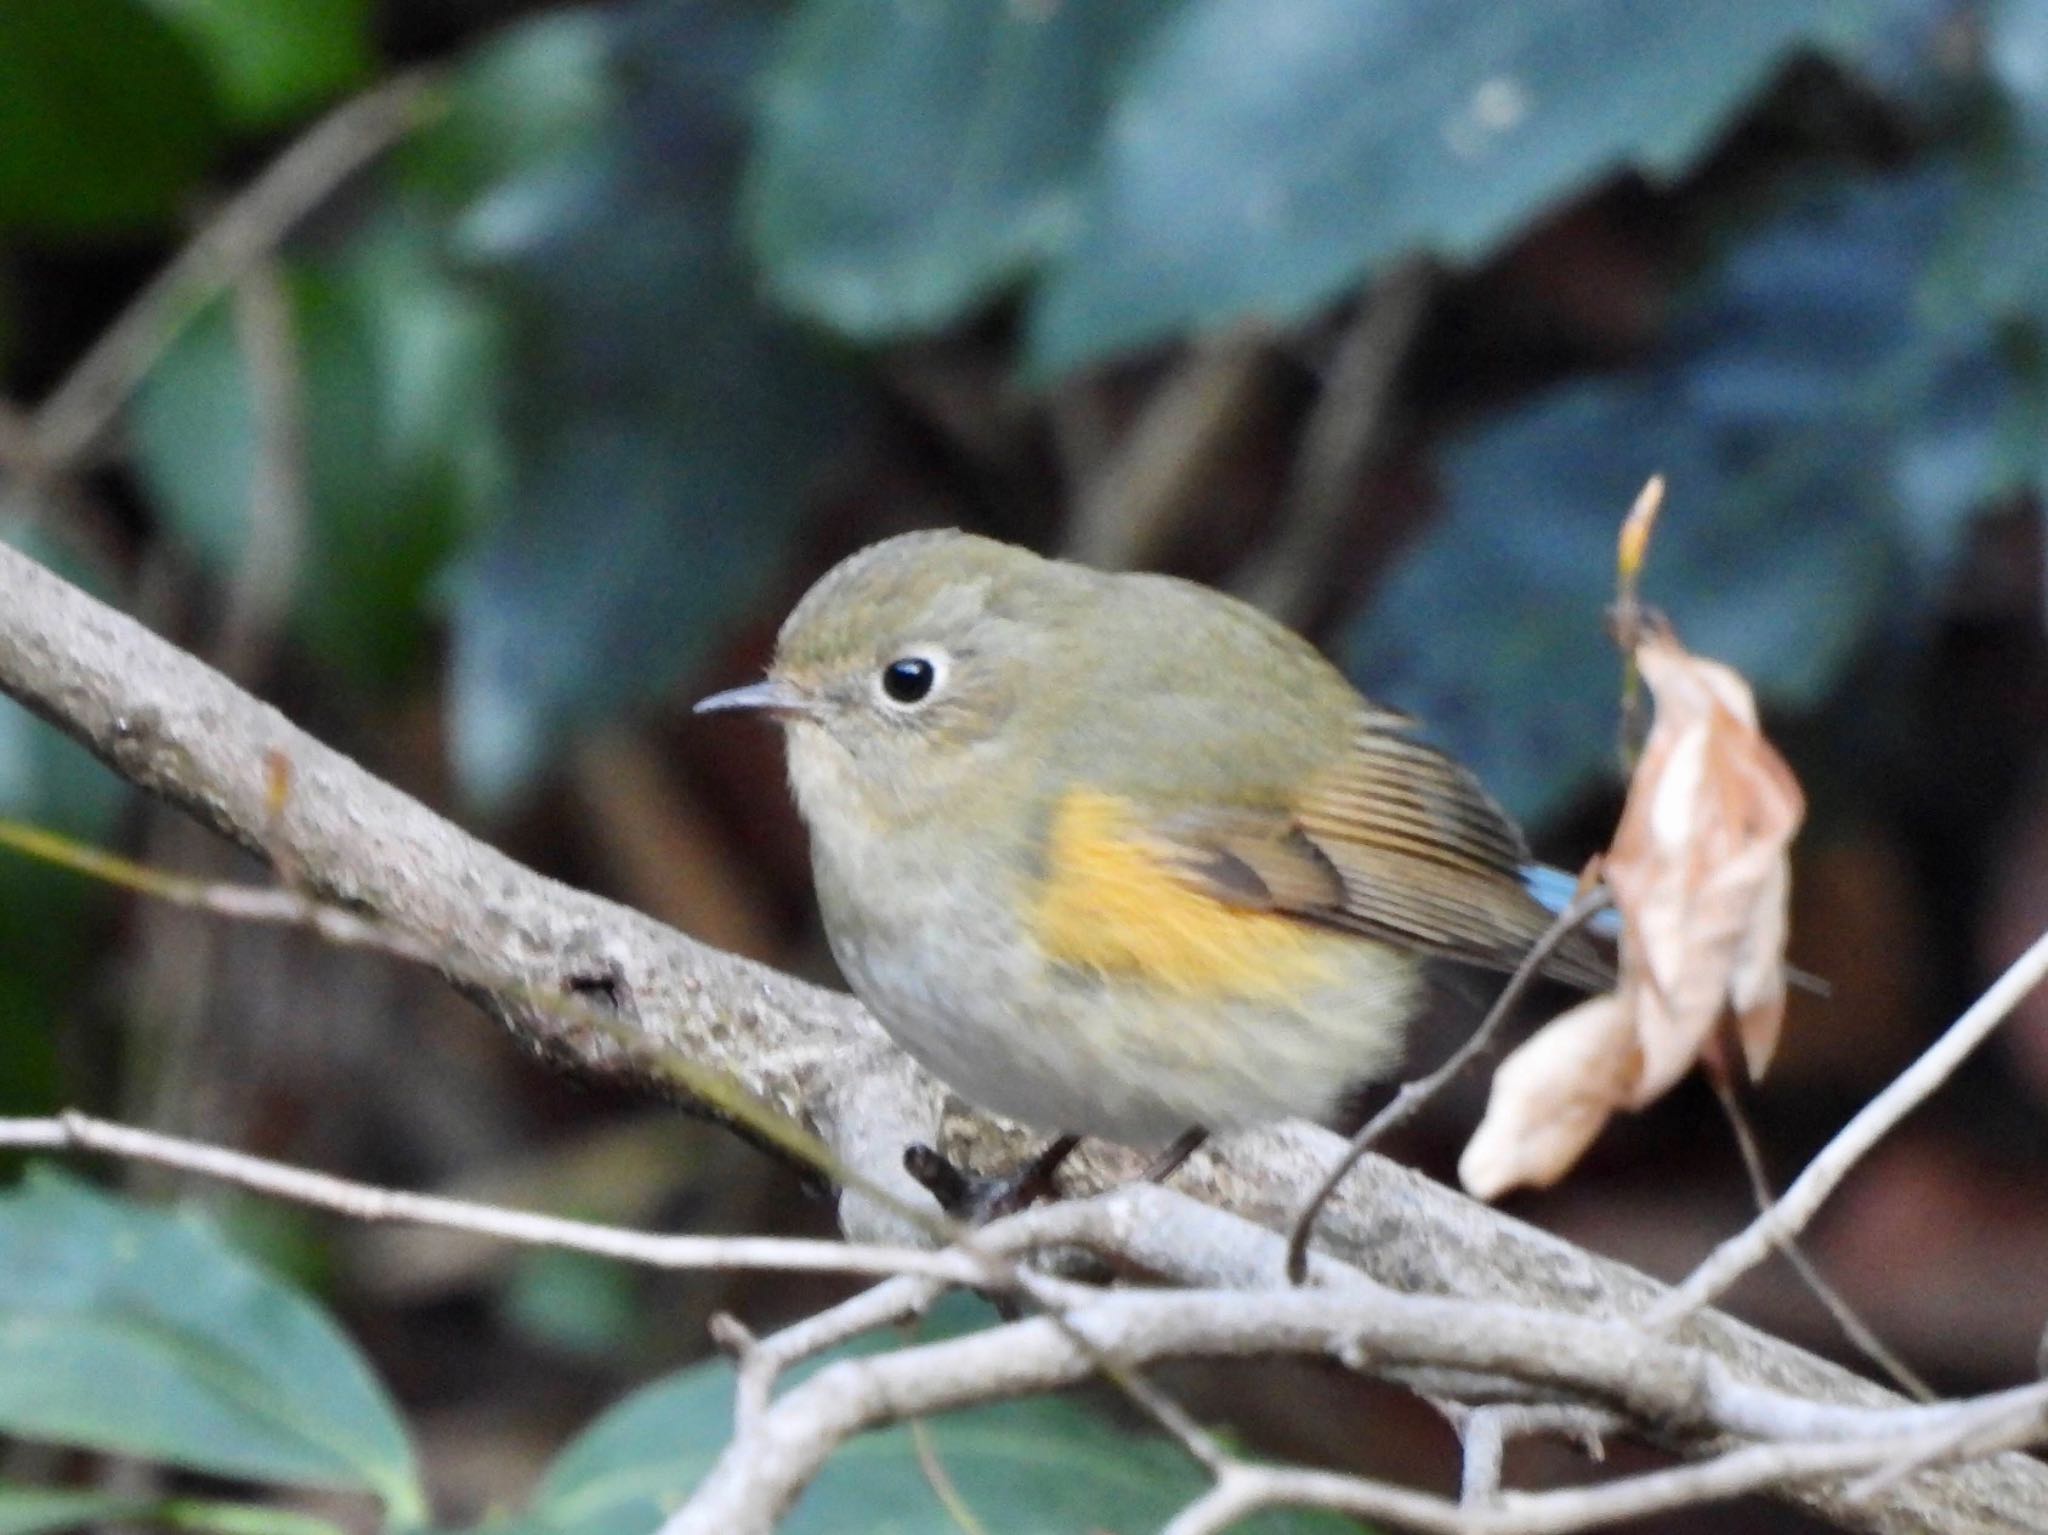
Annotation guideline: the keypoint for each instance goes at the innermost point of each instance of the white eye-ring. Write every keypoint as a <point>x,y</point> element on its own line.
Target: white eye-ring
<point>910,680</point>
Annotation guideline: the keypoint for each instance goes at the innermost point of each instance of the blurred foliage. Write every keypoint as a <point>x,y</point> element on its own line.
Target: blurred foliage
<point>561,404</point>
<point>111,111</point>
<point>122,1328</point>
<point>978,125</point>
<point>402,449</point>
<point>663,423</point>
<point>1806,374</point>
<point>1244,170</point>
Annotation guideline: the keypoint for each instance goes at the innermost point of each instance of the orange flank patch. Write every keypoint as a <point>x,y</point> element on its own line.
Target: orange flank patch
<point>1112,903</point>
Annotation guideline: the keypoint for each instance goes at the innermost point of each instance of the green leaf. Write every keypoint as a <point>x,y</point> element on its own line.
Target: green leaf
<point>396,365</point>
<point>1825,440</point>
<point>107,118</point>
<point>1269,154</point>
<point>1037,1467</point>
<point>37,1510</point>
<point>531,96</point>
<point>916,158</point>
<point>44,1511</point>
<point>273,59</point>
<point>573,1302</point>
<point>666,425</point>
<point>130,1331</point>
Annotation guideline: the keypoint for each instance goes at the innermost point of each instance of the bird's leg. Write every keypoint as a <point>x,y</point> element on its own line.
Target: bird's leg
<point>979,1198</point>
<point>1169,1161</point>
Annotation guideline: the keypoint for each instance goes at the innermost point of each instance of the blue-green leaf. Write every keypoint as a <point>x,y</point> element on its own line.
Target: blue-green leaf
<point>533,95</point>
<point>397,368</point>
<point>46,1511</point>
<point>915,158</point>
<point>127,1330</point>
<point>666,423</point>
<point>1268,154</point>
<point>1824,438</point>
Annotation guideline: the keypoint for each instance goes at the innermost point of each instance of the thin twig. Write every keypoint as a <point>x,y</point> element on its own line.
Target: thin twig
<point>260,595</point>
<point>1671,1386</point>
<point>71,421</point>
<point>978,1263</point>
<point>1854,1328</point>
<point>1484,1431</point>
<point>1246,1489</point>
<point>940,1480</point>
<point>290,906</point>
<point>1343,432</point>
<point>2022,1412</point>
<point>1132,507</point>
<point>1796,1206</point>
<point>758,1363</point>
<point>1413,1095</point>
<point>367,1202</point>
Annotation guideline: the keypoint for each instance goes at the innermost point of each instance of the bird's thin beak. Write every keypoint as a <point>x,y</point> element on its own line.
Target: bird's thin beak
<point>773,696</point>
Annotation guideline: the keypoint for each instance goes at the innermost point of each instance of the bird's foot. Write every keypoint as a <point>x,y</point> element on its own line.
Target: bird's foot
<point>978,1198</point>
<point>1170,1161</point>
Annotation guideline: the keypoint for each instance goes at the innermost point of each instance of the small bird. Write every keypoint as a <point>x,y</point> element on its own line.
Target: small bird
<point>1118,855</point>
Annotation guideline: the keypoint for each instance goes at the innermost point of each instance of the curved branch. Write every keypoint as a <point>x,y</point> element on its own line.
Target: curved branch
<point>172,725</point>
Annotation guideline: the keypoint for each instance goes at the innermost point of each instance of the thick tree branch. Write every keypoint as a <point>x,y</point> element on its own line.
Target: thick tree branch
<point>172,725</point>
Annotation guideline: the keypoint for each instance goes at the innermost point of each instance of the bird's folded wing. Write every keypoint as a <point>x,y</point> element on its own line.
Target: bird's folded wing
<point>1395,841</point>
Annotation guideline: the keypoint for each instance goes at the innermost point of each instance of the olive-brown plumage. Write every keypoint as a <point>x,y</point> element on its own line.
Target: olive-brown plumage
<point>1118,854</point>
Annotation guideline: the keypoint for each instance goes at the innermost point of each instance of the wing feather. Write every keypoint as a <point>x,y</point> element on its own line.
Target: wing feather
<point>1394,841</point>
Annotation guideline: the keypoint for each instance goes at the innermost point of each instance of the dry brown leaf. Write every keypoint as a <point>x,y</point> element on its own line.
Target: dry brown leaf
<point>1701,874</point>
<point>1550,1098</point>
<point>1700,870</point>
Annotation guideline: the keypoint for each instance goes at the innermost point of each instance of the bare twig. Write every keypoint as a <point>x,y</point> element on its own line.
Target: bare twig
<point>2015,1416</point>
<point>1413,1095</point>
<point>277,512</point>
<point>940,1480</point>
<point>1484,1431</point>
<point>1343,433</point>
<point>1684,1392</point>
<point>918,1275</point>
<point>294,907</point>
<point>71,421</point>
<point>987,1261</point>
<point>1129,511</point>
<point>366,1202</point>
<point>760,1362</point>
<point>1854,1328</point>
<point>1246,1490</point>
<point>1796,1206</point>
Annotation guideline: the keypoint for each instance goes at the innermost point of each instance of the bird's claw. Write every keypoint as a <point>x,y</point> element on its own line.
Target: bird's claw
<point>978,1198</point>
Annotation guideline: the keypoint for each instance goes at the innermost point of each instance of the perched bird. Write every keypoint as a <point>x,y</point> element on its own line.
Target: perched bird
<point>1118,855</point>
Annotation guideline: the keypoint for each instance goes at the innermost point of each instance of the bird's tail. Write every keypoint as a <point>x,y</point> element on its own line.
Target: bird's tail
<point>1554,889</point>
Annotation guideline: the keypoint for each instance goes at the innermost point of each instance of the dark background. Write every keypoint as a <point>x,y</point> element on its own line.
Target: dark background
<point>1377,312</point>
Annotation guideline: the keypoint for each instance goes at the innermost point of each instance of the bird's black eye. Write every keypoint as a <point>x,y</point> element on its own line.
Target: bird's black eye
<point>908,679</point>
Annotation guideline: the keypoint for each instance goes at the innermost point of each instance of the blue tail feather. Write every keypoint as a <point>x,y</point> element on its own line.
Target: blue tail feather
<point>1554,889</point>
